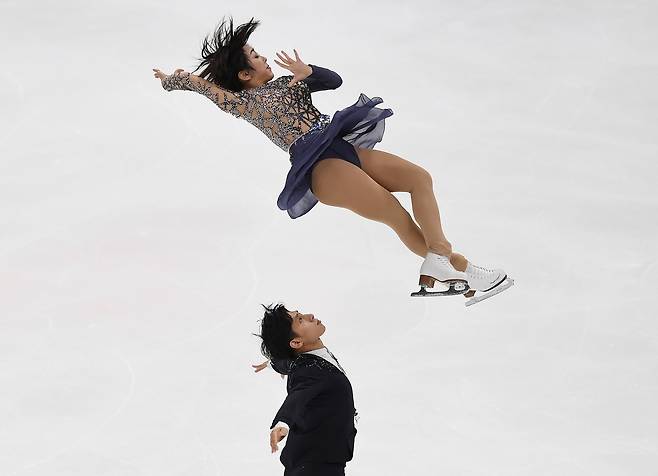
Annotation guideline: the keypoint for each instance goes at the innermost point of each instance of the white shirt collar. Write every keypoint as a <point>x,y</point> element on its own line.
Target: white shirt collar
<point>324,353</point>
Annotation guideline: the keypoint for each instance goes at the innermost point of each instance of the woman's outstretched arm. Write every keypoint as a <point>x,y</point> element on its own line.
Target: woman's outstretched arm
<point>226,100</point>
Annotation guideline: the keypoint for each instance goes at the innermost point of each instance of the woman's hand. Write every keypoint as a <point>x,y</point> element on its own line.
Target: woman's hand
<point>296,66</point>
<point>161,76</point>
<point>276,435</point>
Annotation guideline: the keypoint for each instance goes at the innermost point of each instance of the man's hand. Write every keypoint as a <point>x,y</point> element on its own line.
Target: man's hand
<point>261,366</point>
<point>296,66</point>
<point>278,433</point>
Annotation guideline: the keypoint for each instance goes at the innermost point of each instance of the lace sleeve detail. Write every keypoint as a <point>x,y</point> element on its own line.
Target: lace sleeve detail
<point>228,101</point>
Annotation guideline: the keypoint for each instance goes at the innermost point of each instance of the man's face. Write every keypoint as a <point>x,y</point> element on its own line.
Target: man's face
<point>307,328</point>
<point>261,71</point>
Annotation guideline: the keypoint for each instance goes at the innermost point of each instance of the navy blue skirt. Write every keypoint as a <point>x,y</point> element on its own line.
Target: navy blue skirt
<point>359,125</point>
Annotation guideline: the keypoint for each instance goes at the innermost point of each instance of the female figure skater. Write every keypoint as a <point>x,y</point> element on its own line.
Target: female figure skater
<point>332,159</point>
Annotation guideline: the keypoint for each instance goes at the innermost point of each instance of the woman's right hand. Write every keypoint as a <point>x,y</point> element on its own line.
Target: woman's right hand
<point>296,66</point>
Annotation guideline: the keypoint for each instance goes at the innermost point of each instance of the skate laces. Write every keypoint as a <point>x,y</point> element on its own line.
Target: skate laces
<point>481,270</point>
<point>442,258</point>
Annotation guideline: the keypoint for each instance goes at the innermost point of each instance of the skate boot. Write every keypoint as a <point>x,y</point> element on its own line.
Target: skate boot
<point>487,281</point>
<point>435,268</point>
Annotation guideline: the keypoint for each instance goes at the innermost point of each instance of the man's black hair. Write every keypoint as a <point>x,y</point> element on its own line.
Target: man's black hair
<point>222,56</point>
<point>276,333</point>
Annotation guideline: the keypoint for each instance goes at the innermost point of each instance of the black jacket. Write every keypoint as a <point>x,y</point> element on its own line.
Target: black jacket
<point>319,410</point>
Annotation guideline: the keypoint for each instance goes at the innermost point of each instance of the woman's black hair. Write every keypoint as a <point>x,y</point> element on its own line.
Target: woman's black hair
<point>276,332</point>
<point>222,56</point>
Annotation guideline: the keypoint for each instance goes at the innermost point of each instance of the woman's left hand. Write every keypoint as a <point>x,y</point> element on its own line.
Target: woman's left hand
<point>296,66</point>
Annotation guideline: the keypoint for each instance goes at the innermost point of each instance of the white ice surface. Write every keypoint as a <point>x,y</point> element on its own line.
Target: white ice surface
<point>139,234</point>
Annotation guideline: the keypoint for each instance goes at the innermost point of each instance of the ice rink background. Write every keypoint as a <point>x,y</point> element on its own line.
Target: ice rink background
<point>139,234</point>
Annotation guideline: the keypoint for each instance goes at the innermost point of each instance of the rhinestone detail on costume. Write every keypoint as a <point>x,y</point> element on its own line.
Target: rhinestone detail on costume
<point>318,126</point>
<point>283,113</point>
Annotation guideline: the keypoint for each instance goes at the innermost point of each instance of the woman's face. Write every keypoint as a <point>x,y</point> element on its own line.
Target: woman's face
<point>261,73</point>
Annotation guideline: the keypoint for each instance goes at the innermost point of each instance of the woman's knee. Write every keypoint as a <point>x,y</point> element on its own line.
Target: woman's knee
<point>422,178</point>
<point>416,178</point>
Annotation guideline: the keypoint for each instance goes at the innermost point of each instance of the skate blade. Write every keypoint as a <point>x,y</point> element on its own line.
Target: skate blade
<point>455,288</point>
<point>507,283</point>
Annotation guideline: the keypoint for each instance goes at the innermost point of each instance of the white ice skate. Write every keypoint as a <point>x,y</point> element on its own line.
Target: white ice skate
<point>438,268</point>
<point>487,281</point>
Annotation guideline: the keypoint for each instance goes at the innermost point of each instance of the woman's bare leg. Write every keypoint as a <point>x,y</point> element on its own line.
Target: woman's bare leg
<point>339,183</point>
<point>398,175</point>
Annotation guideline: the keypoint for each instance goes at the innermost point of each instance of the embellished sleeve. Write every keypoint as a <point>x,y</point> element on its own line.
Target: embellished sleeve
<point>322,79</point>
<point>227,101</point>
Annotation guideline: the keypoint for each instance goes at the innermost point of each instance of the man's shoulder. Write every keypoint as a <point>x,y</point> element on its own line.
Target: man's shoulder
<point>303,363</point>
<point>310,363</point>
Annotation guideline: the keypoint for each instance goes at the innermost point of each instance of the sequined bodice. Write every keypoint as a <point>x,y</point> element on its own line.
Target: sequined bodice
<point>283,113</point>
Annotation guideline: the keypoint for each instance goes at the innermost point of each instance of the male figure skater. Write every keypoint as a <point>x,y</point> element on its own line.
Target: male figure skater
<point>318,414</point>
